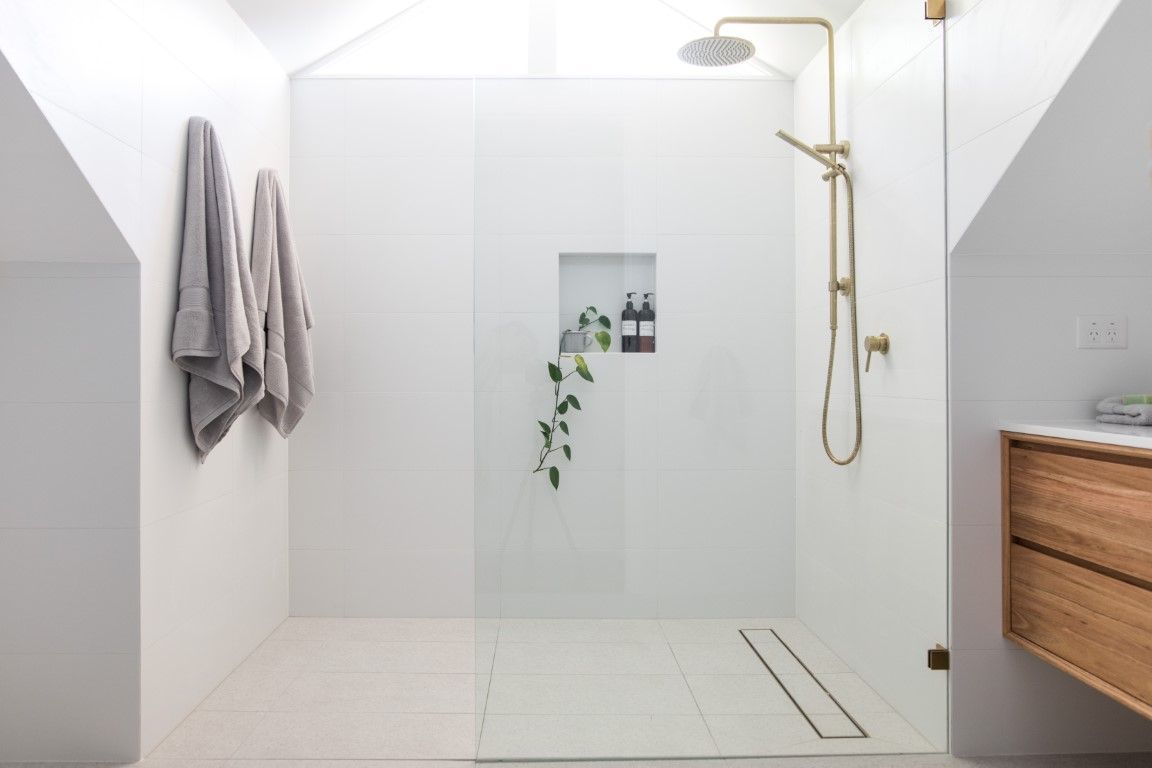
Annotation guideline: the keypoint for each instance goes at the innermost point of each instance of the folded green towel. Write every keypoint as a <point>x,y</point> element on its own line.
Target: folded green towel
<point>1136,399</point>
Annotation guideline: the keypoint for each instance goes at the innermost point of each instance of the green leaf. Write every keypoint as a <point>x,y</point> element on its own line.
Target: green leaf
<point>583,319</point>
<point>547,430</point>
<point>563,407</point>
<point>555,373</point>
<point>554,477</point>
<point>604,321</point>
<point>573,401</point>
<point>567,451</point>
<point>582,368</point>
<point>593,310</point>
<point>564,427</point>
<point>604,338</point>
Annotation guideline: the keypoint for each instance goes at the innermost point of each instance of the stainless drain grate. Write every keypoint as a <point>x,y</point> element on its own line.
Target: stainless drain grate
<point>818,706</point>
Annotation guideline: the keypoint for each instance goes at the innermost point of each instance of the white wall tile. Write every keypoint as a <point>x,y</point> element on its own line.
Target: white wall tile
<point>319,119</point>
<point>409,273</point>
<point>409,118</point>
<point>993,76</point>
<point>95,77</point>
<point>404,510</point>
<point>98,444</point>
<point>317,582</point>
<point>319,197</point>
<point>316,505</point>
<point>437,582</point>
<point>409,352</point>
<point>96,690</point>
<point>74,609</point>
<point>75,359</point>
<point>758,196</point>
<point>436,429</point>
<point>724,118</point>
<point>408,195</point>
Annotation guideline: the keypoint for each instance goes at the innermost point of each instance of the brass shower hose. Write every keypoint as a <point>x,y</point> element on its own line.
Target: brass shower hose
<point>851,294</point>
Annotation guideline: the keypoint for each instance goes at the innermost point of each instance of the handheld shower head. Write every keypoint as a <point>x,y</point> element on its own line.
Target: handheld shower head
<point>717,51</point>
<point>812,153</point>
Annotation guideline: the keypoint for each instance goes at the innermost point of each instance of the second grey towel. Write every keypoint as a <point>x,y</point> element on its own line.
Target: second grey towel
<point>216,337</point>
<point>284,309</point>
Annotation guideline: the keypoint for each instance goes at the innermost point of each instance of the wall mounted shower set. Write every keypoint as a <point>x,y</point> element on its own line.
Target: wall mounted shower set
<point>721,50</point>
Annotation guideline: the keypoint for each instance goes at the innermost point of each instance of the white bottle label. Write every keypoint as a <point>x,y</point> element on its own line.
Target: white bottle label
<point>627,327</point>
<point>647,327</point>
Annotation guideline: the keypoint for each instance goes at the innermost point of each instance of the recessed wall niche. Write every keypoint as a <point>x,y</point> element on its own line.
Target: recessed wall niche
<point>602,280</point>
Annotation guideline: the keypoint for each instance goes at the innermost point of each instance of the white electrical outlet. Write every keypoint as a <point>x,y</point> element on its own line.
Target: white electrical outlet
<point>1102,332</point>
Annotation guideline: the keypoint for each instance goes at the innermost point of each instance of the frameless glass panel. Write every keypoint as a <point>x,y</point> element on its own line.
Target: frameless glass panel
<point>700,580</point>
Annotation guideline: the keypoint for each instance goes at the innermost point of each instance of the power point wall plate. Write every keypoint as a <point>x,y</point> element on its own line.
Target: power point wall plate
<point>1102,332</point>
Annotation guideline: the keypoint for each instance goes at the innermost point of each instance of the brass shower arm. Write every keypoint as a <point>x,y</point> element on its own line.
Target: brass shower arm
<point>832,148</point>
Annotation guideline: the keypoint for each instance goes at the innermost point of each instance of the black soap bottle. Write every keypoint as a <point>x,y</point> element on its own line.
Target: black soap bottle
<point>646,341</point>
<point>629,327</point>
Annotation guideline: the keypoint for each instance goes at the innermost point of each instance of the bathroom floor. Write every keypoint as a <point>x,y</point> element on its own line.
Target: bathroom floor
<point>376,689</point>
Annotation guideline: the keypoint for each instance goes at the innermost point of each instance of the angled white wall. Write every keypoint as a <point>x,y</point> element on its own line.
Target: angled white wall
<point>1052,218</point>
<point>117,81</point>
<point>69,444</point>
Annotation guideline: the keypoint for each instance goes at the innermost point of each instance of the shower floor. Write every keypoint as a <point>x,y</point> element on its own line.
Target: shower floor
<point>459,689</point>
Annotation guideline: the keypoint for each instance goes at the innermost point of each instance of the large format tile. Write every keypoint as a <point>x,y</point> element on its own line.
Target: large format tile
<point>580,631</point>
<point>250,688</point>
<point>856,696</point>
<point>717,630</point>
<point>378,692</point>
<point>594,736</point>
<point>754,735</point>
<point>411,657</point>
<point>590,695</point>
<point>378,629</point>
<point>209,735</point>
<point>740,695</point>
<point>718,659</point>
<point>584,659</point>
<point>361,736</point>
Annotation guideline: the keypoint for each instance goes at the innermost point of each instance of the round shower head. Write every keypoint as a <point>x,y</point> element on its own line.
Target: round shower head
<point>717,51</point>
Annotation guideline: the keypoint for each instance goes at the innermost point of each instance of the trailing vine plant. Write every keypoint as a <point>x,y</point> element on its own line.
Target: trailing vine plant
<point>561,406</point>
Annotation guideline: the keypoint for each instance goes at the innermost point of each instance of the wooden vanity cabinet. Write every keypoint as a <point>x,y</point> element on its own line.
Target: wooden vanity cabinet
<point>1077,537</point>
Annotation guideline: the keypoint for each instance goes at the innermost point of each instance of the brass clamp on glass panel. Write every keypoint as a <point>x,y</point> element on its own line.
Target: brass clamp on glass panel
<point>872,344</point>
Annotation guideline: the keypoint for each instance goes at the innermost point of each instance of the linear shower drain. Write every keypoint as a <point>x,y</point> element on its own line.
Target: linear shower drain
<point>818,706</point>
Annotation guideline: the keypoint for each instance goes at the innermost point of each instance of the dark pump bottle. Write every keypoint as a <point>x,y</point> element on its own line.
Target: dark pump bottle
<point>628,327</point>
<point>646,341</point>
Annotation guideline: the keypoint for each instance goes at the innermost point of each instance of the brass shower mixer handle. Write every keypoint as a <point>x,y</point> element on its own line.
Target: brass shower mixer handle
<point>872,344</point>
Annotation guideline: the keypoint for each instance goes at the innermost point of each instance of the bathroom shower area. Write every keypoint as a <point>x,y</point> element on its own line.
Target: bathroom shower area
<point>573,304</point>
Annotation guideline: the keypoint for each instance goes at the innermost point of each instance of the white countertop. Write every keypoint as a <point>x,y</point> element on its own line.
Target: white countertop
<point>1085,429</point>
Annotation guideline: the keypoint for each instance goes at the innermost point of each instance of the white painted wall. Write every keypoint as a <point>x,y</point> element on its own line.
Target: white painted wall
<point>381,502</point>
<point>872,536</point>
<point>118,81</point>
<point>1049,199</point>
<point>384,204</point>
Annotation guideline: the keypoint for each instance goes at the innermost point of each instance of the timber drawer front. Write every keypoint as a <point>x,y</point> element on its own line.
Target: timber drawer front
<point>1078,560</point>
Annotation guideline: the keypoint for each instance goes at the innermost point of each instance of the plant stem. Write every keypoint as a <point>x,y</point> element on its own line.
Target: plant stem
<point>547,450</point>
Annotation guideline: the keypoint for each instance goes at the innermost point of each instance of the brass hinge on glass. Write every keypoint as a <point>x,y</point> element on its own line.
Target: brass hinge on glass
<point>939,658</point>
<point>935,10</point>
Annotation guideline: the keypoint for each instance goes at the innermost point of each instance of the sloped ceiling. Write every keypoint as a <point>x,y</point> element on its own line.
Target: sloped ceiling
<point>1081,185</point>
<point>299,32</point>
<point>48,210</point>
